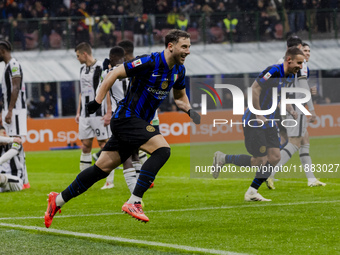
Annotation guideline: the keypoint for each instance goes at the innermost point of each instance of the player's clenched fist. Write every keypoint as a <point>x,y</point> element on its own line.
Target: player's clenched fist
<point>92,107</point>
<point>196,118</point>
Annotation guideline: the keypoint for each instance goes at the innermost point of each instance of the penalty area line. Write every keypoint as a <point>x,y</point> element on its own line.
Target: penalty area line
<point>122,240</point>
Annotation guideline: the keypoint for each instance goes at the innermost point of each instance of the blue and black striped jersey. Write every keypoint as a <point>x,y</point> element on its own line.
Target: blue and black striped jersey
<point>272,76</point>
<point>150,84</point>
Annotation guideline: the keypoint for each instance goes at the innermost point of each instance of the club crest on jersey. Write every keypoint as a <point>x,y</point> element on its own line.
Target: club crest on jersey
<point>165,84</point>
<point>150,128</point>
<point>267,76</point>
<point>136,63</point>
<point>263,149</point>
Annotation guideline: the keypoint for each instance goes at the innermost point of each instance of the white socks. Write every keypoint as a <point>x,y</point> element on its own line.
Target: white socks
<point>251,190</point>
<point>306,162</point>
<point>142,156</point>
<point>111,177</point>
<point>130,178</point>
<point>134,199</point>
<point>59,200</point>
<point>85,161</point>
<point>286,153</point>
<point>137,166</point>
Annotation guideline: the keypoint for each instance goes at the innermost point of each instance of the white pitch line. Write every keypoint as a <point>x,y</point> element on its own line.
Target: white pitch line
<point>254,204</point>
<point>123,240</point>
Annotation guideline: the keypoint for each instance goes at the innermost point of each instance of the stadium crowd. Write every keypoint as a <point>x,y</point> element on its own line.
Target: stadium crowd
<point>91,18</point>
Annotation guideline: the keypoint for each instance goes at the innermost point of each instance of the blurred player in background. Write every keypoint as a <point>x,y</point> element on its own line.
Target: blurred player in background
<point>262,142</point>
<point>12,163</point>
<point>138,158</point>
<point>14,112</point>
<point>154,76</point>
<point>298,137</point>
<point>96,124</point>
<point>117,93</point>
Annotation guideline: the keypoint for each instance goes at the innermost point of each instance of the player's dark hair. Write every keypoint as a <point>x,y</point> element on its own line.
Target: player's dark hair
<point>293,41</point>
<point>117,51</point>
<point>1,127</point>
<point>6,45</point>
<point>127,46</point>
<point>305,44</point>
<point>292,52</point>
<point>84,47</point>
<point>174,35</point>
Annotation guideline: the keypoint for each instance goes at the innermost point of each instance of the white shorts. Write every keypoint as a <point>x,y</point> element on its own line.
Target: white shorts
<point>14,184</point>
<point>91,127</point>
<point>18,126</point>
<point>300,129</point>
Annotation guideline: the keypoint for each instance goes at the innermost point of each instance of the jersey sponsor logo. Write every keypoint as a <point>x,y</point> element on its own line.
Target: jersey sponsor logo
<point>15,69</point>
<point>267,76</point>
<point>150,128</point>
<point>136,63</point>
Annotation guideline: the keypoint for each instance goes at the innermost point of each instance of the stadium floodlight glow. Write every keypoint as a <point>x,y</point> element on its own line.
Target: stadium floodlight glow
<point>238,100</point>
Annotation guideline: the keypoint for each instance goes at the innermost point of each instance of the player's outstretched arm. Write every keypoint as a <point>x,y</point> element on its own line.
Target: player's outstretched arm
<point>109,80</point>
<point>182,102</point>
<point>12,151</point>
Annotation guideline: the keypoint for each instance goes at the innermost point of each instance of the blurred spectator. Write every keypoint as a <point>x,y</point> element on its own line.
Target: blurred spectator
<point>112,10</point>
<point>139,31</point>
<point>82,30</point>
<point>39,10</point>
<point>148,38</point>
<point>205,24</point>
<point>3,11</point>
<point>312,6</point>
<point>161,10</point>
<point>136,8</point>
<point>27,10</point>
<point>50,100</point>
<point>38,109</point>
<point>182,22</point>
<point>172,17</point>
<point>13,9</point>
<point>106,29</point>
<point>186,7</point>
<point>230,25</point>
<point>14,32</point>
<point>122,23</point>
<point>265,26</point>
<point>195,16</point>
<point>272,15</point>
<point>323,17</point>
<point>62,11</point>
<point>45,29</point>
<point>296,14</point>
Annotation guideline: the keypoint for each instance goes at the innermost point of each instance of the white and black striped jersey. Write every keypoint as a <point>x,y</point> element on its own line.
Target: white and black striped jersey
<point>89,81</point>
<point>12,70</point>
<point>118,89</point>
<point>16,165</point>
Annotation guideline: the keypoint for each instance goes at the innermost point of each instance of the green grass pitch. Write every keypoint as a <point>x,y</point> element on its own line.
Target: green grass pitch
<point>187,215</point>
